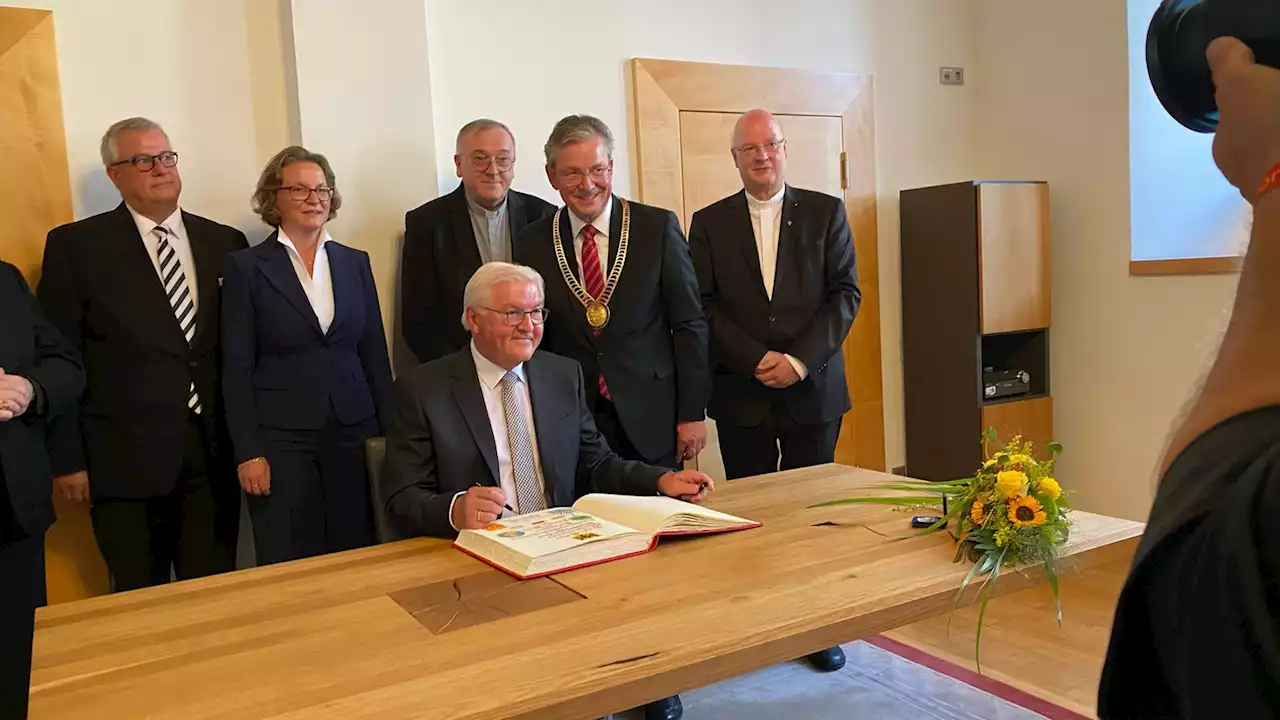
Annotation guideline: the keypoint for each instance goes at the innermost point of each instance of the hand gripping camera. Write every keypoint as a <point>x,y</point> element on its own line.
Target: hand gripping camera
<point>1179,33</point>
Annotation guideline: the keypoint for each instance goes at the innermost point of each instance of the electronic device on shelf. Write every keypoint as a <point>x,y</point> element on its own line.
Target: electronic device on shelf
<point>1004,383</point>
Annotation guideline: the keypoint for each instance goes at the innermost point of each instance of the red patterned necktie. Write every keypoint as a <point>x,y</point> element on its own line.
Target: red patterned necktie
<point>593,279</point>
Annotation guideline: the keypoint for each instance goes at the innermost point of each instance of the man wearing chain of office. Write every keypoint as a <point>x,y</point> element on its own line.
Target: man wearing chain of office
<point>624,301</point>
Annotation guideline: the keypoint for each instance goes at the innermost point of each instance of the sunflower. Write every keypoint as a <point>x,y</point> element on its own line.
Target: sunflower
<point>1026,511</point>
<point>1049,488</point>
<point>976,513</point>
<point>1010,482</point>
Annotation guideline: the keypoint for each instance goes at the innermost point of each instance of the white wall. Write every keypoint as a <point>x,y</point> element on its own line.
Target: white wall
<point>550,59</point>
<point>1052,103</point>
<point>364,101</point>
<point>185,65</point>
<point>1181,206</point>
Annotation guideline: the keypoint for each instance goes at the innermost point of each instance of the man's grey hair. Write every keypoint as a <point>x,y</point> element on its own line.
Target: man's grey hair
<point>479,290</point>
<point>109,150</point>
<point>576,128</point>
<point>477,126</point>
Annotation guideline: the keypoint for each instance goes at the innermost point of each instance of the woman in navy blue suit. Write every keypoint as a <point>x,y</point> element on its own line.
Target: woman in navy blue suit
<point>306,374</point>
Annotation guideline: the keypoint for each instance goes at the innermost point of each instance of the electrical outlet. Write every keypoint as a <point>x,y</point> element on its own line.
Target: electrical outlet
<point>952,76</point>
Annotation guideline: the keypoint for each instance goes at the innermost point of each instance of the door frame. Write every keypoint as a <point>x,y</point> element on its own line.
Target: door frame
<point>662,89</point>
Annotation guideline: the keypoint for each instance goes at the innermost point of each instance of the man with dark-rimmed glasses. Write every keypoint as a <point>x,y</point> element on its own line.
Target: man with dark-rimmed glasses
<point>500,428</point>
<point>449,238</point>
<point>136,291</point>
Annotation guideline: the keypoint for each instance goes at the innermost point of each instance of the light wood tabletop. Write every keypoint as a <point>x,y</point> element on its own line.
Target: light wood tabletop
<point>415,629</point>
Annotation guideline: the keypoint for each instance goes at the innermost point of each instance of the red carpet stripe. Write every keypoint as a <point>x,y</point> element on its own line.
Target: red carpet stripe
<point>1001,690</point>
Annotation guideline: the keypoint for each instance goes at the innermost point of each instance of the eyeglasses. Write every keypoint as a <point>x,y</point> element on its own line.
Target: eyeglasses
<point>144,163</point>
<point>515,318</point>
<point>481,161</point>
<point>573,177</point>
<point>302,193</point>
<point>770,148</point>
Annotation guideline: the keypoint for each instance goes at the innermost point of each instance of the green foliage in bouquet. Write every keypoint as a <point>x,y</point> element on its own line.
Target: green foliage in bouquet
<point>1011,513</point>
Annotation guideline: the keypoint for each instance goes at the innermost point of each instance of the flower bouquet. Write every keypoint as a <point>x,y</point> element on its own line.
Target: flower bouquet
<point>1012,512</point>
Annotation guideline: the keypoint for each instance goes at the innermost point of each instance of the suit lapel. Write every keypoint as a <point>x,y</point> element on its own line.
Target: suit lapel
<point>465,388</point>
<point>615,232</point>
<point>546,411</point>
<point>343,283</point>
<point>515,219</point>
<point>788,230</point>
<point>746,237</point>
<point>567,239</point>
<point>207,272</point>
<point>278,270</point>
<point>137,263</point>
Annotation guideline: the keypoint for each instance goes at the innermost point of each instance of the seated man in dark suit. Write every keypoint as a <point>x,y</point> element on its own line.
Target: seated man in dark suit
<point>500,424</point>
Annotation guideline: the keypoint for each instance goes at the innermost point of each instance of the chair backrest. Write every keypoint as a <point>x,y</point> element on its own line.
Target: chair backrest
<point>375,454</point>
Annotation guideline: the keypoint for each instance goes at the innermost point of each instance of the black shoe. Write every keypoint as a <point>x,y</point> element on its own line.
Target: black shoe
<point>664,709</point>
<point>829,660</point>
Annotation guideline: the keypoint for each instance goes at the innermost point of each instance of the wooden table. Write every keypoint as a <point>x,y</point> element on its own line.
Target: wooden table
<point>334,637</point>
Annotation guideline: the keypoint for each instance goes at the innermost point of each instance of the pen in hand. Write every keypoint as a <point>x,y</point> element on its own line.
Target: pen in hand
<point>508,507</point>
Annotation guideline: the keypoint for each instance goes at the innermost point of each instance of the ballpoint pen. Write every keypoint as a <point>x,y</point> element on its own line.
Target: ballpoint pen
<point>508,507</point>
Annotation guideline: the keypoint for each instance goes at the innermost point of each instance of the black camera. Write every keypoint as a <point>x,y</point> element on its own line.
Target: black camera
<point>1179,33</point>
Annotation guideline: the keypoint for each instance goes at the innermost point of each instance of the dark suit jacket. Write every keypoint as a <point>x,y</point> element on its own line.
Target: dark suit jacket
<point>440,256</point>
<point>654,349</point>
<point>441,442</point>
<point>815,299</point>
<point>281,370</point>
<point>102,291</point>
<point>32,348</point>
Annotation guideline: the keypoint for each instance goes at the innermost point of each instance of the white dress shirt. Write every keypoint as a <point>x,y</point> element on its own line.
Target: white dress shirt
<point>318,284</point>
<point>601,224</point>
<point>178,240</point>
<point>766,224</point>
<point>490,375</point>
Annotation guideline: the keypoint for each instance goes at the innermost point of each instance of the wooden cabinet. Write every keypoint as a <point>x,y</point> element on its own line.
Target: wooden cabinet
<point>1032,419</point>
<point>1013,247</point>
<point>975,299</point>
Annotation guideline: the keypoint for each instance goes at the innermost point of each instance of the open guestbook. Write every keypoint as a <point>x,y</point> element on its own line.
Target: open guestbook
<point>598,528</point>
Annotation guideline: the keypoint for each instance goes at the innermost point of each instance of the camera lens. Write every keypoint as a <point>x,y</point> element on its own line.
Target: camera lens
<point>1176,41</point>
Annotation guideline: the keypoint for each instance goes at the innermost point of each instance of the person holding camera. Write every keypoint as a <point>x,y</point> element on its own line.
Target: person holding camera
<point>1195,631</point>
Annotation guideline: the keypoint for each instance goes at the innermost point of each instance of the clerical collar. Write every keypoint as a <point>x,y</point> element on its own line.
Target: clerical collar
<point>777,198</point>
<point>481,210</point>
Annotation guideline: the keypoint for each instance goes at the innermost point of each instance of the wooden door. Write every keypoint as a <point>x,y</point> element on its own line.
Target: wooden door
<point>684,116</point>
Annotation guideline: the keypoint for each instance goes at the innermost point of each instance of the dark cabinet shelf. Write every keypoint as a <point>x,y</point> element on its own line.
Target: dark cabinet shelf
<point>975,295</point>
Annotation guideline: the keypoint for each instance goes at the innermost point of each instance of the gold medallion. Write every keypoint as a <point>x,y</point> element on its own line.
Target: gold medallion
<point>597,314</point>
<point>597,307</point>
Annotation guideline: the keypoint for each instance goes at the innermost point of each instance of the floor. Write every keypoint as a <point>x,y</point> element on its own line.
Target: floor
<point>1021,648</point>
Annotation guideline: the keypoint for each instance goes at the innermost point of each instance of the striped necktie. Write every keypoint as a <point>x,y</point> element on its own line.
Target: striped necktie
<point>593,278</point>
<point>529,494</point>
<point>179,293</point>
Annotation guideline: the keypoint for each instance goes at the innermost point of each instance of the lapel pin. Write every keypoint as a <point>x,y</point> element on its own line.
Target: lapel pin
<point>788,222</point>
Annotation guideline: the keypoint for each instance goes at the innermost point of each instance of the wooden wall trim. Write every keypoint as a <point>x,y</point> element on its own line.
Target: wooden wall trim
<point>665,88</point>
<point>35,197</point>
<point>1216,265</point>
